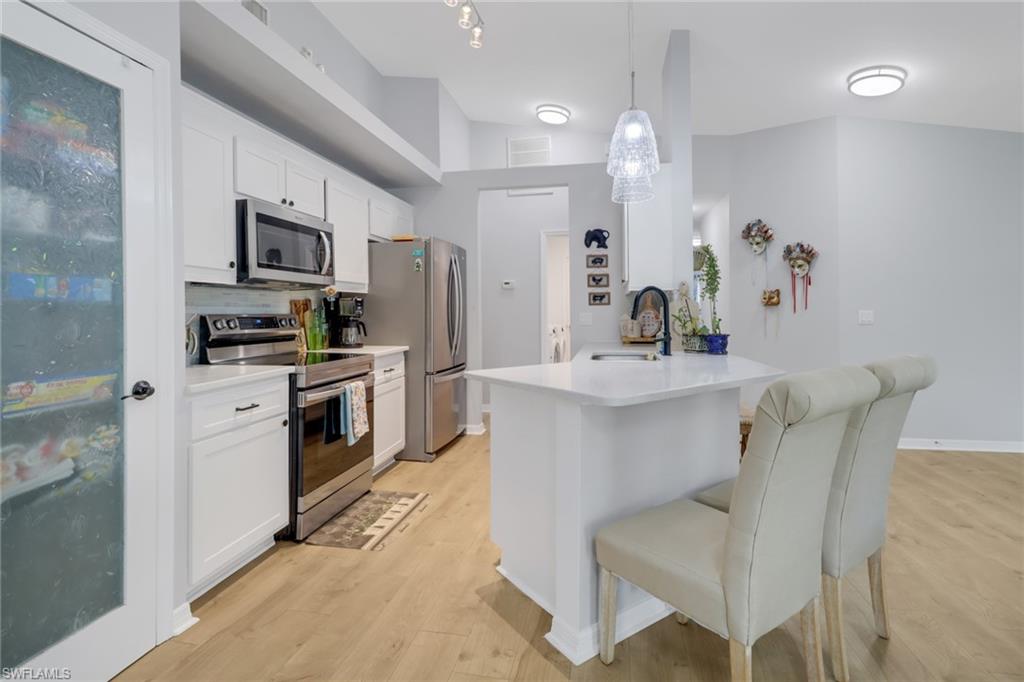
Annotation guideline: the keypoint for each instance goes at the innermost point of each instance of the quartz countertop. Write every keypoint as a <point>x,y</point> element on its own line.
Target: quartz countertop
<point>203,378</point>
<point>618,383</point>
<point>375,351</point>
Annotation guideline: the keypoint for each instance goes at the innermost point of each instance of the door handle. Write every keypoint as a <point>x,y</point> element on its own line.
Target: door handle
<point>140,390</point>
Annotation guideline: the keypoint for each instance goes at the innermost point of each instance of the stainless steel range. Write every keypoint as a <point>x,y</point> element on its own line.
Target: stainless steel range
<point>327,474</point>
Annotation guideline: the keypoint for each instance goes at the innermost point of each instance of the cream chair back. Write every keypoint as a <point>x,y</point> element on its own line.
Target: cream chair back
<point>858,503</point>
<point>772,565</point>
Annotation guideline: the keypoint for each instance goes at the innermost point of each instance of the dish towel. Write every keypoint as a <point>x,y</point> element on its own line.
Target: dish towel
<point>357,423</point>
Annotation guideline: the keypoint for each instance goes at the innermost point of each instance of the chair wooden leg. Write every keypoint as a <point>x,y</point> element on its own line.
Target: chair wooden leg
<point>831,589</point>
<point>739,661</point>
<point>681,619</point>
<point>877,579</point>
<point>606,615</point>
<point>810,629</point>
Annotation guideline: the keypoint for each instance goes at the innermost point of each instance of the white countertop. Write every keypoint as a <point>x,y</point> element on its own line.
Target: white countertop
<point>375,351</point>
<point>203,378</point>
<point>617,383</point>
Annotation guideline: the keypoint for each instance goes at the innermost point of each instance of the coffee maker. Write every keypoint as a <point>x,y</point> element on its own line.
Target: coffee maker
<point>345,326</point>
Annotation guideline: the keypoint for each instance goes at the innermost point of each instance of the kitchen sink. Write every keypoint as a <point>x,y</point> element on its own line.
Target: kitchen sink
<point>629,356</point>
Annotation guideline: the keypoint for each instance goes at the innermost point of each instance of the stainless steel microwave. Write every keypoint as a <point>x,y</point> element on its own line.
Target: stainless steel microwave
<point>279,245</point>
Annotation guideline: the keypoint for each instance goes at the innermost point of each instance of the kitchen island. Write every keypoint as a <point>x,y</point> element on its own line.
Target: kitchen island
<point>578,445</point>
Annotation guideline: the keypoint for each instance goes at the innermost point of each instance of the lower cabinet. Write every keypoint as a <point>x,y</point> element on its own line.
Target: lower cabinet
<point>388,421</point>
<point>238,486</point>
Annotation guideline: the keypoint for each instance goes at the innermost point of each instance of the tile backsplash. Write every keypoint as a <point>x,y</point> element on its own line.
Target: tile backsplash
<point>204,298</point>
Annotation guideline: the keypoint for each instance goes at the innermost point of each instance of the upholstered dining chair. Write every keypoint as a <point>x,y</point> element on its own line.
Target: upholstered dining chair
<point>744,573</point>
<point>858,502</point>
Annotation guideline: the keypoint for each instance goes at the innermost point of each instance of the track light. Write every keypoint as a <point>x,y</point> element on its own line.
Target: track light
<point>476,38</point>
<point>466,16</point>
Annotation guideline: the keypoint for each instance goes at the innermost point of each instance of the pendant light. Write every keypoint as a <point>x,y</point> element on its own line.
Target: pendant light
<point>634,149</point>
<point>632,190</point>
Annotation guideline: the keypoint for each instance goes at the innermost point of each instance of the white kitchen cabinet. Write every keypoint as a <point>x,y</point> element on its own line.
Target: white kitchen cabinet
<point>238,477</point>
<point>648,242</point>
<point>390,216</point>
<point>264,173</point>
<point>348,210</point>
<point>388,409</point>
<point>208,211</point>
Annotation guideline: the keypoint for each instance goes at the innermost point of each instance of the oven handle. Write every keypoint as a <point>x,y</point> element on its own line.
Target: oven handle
<point>307,398</point>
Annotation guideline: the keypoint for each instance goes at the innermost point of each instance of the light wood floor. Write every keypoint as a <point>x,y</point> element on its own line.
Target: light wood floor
<point>430,606</point>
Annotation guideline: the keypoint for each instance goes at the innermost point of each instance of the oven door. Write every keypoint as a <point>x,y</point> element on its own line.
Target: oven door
<point>277,244</point>
<point>325,461</point>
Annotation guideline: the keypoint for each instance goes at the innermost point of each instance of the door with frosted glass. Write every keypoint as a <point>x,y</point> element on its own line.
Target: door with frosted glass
<point>77,515</point>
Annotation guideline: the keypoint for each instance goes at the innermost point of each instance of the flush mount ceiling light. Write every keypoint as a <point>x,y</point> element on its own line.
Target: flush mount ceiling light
<point>633,152</point>
<point>876,81</point>
<point>553,114</point>
<point>469,19</point>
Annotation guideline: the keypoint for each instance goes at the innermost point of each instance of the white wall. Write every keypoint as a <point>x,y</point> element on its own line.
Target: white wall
<point>930,231</point>
<point>921,224</point>
<point>454,133</point>
<point>510,238</point>
<point>489,144</point>
<point>411,110</point>
<point>716,231</point>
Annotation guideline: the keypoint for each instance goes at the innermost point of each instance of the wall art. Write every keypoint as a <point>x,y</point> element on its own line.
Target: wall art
<point>597,260</point>
<point>597,237</point>
<point>598,280</point>
<point>600,298</point>
<point>757,234</point>
<point>800,256</point>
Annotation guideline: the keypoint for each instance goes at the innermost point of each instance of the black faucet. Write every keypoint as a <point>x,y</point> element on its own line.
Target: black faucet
<point>666,340</point>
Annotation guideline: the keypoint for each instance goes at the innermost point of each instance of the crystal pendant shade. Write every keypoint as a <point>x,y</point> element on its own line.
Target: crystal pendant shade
<point>632,190</point>
<point>633,152</point>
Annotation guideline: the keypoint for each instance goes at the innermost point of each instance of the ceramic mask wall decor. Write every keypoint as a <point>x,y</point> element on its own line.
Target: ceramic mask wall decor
<point>800,256</point>
<point>771,297</point>
<point>757,234</point>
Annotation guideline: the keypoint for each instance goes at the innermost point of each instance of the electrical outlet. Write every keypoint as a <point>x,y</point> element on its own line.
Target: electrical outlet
<point>508,284</point>
<point>865,317</point>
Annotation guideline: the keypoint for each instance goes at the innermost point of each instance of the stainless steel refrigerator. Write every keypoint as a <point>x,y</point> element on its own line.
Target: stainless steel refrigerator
<point>417,298</point>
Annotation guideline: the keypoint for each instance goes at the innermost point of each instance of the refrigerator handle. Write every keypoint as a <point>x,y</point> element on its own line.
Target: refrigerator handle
<point>461,305</point>
<point>448,305</point>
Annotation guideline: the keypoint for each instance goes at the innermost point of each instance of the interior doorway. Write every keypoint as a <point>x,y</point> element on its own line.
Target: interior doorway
<point>555,316</point>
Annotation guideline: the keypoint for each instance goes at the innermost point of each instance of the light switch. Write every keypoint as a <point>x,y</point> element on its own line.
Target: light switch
<point>865,317</point>
<point>586,319</point>
<point>508,284</point>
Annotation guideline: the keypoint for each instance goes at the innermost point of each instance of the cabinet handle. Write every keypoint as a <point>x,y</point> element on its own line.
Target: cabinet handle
<point>284,423</point>
<point>231,264</point>
<point>284,201</point>
<point>291,203</point>
<point>389,369</point>
<point>246,409</point>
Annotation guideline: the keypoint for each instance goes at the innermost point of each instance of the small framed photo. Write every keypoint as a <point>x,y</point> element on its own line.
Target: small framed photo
<point>598,280</point>
<point>600,298</point>
<point>597,260</point>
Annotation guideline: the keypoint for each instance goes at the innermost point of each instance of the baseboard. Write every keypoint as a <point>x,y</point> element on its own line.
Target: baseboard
<point>476,429</point>
<point>536,598</point>
<point>236,564</point>
<point>182,619</point>
<point>1007,446</point>
<point>580,647</point>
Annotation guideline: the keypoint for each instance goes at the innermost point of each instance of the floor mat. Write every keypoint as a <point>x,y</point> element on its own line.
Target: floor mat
<point>368,520</point>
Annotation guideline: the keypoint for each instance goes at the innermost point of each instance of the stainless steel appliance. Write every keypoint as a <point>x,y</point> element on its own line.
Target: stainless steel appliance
<point>350,333</point>
<point>345,326</point>
<point>327,474</point>
<point>418,298</point>
<point>279,245</point>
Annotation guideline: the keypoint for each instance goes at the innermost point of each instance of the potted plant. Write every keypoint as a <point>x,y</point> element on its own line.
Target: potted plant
<point>717,341</point>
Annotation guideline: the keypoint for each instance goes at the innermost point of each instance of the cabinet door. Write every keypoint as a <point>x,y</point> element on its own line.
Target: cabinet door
<point>648,242</point>
<point>383,219</point>
<point>208,215</point>
<point>259,172</point>
<point>239,493</point>
<point>388,421</point>
<point>304,189</point>
<point>349,212</point>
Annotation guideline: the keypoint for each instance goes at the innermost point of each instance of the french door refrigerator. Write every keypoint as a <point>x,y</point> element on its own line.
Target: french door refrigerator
<point>418,298</point>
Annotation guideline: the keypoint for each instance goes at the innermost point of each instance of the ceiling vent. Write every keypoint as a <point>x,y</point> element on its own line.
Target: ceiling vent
<point>256,9</point>
<point>529,151</point>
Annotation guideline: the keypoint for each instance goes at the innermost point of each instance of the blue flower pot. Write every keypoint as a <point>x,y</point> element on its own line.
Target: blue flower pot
<point>717,344</point>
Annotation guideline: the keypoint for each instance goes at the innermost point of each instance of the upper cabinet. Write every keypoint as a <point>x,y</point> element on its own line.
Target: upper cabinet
<point>389,217</point>
<point>648,243</point>
<point>262,173</point>
<point>348,210</point>
<point>226,156</point>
